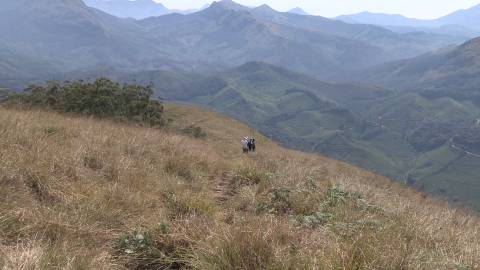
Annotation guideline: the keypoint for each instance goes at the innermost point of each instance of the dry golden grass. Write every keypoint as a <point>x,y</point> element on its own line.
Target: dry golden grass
<point>80,193</point>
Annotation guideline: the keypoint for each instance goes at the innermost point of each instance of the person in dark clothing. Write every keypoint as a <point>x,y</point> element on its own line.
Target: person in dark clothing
<point>251,145</point>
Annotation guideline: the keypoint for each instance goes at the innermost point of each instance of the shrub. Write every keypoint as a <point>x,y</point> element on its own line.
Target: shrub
<point>308,207</point>
<point>180,166</point>
<point>187,204</point>
<point>302,199</point>
<point>194,131</point>
<point>103,99</point>
<point>154,249</point>
<point>249,175</point>
<point>37,184</point>
<point>92,161</point>
<point>281,200</point>
<point>335,196</point>
<point>314,220</point>
<point>49,131</point>
<point>241,249</point>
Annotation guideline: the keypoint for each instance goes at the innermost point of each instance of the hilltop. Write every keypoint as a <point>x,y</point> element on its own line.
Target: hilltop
<point>299,11</point>
<point>83,193</point>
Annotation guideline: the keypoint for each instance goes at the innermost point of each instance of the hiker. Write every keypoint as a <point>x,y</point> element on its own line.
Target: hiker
<point>252,145</point>
<point>245,142</point>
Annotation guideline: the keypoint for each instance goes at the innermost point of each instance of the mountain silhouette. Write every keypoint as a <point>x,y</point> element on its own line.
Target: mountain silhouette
<point>138,9</point>
<point>464,22</point>
<point>69,36</point>
<point>298,11</point>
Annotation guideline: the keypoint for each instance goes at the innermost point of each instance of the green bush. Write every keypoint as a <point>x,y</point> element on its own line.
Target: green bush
<point>314,220</point>
<point>102,98</point>
<point>335,196</point>
<point>250,175</point>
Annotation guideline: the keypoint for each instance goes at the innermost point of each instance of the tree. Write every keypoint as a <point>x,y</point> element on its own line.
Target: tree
<point>102,98</point>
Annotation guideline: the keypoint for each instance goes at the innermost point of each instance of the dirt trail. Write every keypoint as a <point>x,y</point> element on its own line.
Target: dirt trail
<point>222,189</point>
<point>465,151</point>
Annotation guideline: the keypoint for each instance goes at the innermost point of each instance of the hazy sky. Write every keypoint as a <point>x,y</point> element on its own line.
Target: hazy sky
<point>425,9</point>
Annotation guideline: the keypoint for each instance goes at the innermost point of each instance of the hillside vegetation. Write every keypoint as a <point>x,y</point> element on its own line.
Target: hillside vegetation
<point>102,98</point>
<point>453,72</point>
<point>420,139</point>
<point>80,193</point>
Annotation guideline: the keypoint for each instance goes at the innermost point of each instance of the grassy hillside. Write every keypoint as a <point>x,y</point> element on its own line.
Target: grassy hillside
<point>78,193</point>
<point>310,115</point>
<point>432,127</point>
<point>399,135</point>
<point>436,112</point>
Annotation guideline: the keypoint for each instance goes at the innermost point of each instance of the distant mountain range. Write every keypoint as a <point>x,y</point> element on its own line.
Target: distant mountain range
<point>381,19</point>
<point>137,9</point>
<point>142,9</point>
<point>68,36</point>
<point>46,38</point>
<point>463,22</point>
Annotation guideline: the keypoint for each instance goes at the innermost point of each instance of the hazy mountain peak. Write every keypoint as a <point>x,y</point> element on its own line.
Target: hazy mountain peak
<point>298,11</point>
<point>461,22</point>
<point>138,9</point>
<point>469,18</point>
<point>367,17</point>
<point>264,7</point>
<point>190,11</point>
<point>228,4</point>
<point>265,10</point>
